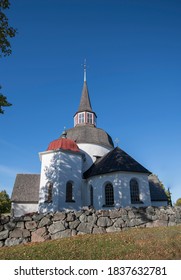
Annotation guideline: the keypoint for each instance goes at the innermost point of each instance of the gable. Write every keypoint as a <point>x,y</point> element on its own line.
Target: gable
<point>26,188</point>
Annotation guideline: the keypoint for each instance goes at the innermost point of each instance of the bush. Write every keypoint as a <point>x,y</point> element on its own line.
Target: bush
<point>5,202</point>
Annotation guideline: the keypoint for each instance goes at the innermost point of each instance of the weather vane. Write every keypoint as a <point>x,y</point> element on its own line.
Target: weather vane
<point>85,69</point>
<point>116,141</point>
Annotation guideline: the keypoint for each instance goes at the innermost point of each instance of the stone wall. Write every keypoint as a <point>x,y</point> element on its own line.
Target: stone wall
<point>38,227</point>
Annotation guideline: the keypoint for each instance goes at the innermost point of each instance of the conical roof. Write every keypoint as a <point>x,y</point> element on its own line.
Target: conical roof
<point>85,104</point>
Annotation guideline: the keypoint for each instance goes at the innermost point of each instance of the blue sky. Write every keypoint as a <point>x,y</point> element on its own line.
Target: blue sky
<point>133,52</point>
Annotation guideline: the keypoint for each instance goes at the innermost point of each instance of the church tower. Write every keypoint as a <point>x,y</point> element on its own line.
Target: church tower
<point>85,114</point>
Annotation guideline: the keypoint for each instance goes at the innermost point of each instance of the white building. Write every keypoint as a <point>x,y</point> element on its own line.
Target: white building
<point>82,168</point>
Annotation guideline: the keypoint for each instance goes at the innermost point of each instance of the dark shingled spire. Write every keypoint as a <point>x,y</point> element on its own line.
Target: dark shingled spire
<point>85,104</point>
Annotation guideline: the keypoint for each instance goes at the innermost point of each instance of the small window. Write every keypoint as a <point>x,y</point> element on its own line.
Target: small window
<point>49,191</point>
<point>90,118</point>
<point>81,118</point>
<point>91,196</point>
<point>69,192</point>
<point>109,195</point>
<point>134,191</point>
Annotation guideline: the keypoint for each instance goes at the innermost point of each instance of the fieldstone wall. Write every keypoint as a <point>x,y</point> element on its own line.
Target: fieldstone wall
<point>38,227</point>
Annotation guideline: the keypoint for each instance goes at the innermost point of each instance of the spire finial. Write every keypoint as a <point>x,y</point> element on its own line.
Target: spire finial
<point>85,68</point>
<point>116,141</point>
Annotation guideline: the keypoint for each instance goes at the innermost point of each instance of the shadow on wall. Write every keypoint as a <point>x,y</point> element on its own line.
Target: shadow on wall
<point>63,168</point>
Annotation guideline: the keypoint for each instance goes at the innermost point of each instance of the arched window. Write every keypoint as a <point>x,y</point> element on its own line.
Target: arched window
<point>49,191</point>
<point>91,196</point>
<point>109,195</point>
<point>69,192</point>
<point>134,191</point>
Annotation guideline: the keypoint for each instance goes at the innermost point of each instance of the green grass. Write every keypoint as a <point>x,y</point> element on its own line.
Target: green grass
<point>138,243</point>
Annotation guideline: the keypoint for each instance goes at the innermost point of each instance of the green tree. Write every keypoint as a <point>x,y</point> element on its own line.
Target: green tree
<point>5,202</point>
<point>6,32</point>
<point>3,102</point>
<point>178,202</point>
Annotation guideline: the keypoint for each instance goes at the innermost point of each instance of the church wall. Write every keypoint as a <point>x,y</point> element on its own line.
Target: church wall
<point>59,168</point>
<point>92,150</point>
<point>159,203</point>
<point>121,185</point>
<point>20,209</point>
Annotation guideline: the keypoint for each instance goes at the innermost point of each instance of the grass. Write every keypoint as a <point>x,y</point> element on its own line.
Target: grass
<point>138,243</point>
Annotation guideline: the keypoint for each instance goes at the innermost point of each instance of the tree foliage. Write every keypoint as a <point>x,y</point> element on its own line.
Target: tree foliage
<point>6,32</point>
<point>3,103</point>
<point>5,202</point>
<point>178,202</point>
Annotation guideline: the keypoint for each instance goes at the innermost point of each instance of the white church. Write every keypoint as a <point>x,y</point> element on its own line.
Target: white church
<point>83,168</point>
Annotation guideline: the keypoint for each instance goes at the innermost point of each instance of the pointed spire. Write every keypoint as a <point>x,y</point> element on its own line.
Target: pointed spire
<point>85,115</point>
<point>85,104</point>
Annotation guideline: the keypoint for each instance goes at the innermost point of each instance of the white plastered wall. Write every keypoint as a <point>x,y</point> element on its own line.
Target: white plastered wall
<point>59,167</point>
<point>91,151</point>
<point>20,209</point>
<point>121,185</point>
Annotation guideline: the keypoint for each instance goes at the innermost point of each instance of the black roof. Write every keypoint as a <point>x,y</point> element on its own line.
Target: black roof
<point>156,190</point>
<point>115,160</point>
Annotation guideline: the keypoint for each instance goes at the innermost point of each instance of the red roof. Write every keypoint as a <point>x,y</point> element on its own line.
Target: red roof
<point>64,144</point>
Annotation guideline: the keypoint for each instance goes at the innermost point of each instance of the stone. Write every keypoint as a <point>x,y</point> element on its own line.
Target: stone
<point>170,224</point>
<point>27,218</point>
<point>172,218</point>
<point>26,233</point>
<point>119,223</point>
<point>61,234</point>
<point>150,210</point>
<point>10,226</point>
<point>37,217</point>
<point>113,229</point>
<point>39,235</point>
<point>163,217</point>
<point>13,241</point>
<point>56,227</point>
<point>83,218</point>
<point>85,228</point>
<point>115,214</point>
<point>31,225</point>
<point>104,222</point>
<point>16,233</point>
<point>105,213</point>
<point>74,224</point>
<point>97,230</point>
<point>92,219</point>
<point>20,225</point>
<point>74,232</point>
<point>160,223</point>
<point>70,217</point>
<point>4,219</point>
<point>2,228</point>
<point>1,244</point>
<point>4,234</point>
<point>43,222</point>
<point>131,214</point>
<point>59,216</point>
<point>131,223</point>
